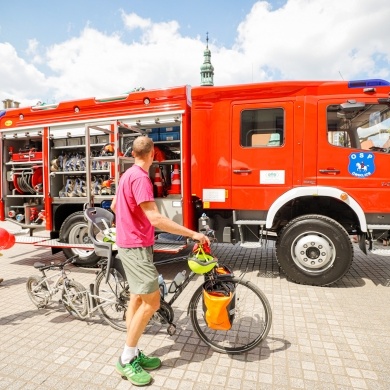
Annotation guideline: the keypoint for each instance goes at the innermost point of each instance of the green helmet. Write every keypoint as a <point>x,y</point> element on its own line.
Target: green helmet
<point>201,262</point>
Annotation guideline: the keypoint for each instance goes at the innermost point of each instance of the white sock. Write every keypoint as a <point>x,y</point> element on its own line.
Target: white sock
<point>128,353</point>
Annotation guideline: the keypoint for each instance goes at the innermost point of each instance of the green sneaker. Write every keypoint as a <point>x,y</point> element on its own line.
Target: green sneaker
<point>133,372</point>
<point>148,362</point>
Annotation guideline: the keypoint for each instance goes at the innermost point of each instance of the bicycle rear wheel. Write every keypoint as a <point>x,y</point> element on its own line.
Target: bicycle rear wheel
<point>251,324</point>
<point>112,298</point>
<point>37,291</point>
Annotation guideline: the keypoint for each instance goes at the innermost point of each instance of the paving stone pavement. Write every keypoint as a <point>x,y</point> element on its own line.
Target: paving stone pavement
<point>321,337</point>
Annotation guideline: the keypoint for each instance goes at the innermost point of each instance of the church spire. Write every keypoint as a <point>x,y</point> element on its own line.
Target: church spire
<point>207,70</point>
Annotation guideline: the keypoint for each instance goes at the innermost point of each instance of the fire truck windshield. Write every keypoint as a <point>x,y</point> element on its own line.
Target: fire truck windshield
<point>367,127</point>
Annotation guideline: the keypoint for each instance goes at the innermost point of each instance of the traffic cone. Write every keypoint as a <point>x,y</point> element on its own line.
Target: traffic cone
<point>158,183</point>
<point>175,187</point>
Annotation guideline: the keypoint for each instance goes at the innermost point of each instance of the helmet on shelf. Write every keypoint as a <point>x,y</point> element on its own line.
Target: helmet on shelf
<point>108,150</point>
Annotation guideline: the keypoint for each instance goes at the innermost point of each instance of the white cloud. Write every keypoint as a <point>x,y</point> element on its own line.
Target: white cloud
<point>305,39</point>
<point>20,80</point>
<point>133,21</point>
<point>33,52</point>
<point>309,39</point>
<point>95,64</point>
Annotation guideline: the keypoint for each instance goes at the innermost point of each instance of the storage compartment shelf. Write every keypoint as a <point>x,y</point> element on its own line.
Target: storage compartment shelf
<point>103,158</point>
<point>100,198</point>
<point>25,196</point>
<point>75,199</point>
<point>168,142</point>
<point>166,162</point>
<point>77,146</point>
<point>31,162</point>
<point>79,173</point>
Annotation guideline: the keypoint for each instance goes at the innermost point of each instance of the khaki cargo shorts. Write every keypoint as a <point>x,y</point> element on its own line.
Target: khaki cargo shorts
<point>140,271</point>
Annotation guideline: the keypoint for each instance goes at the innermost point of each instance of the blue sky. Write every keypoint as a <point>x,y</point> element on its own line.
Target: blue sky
<point>55,21</point>
<point>53,51</point>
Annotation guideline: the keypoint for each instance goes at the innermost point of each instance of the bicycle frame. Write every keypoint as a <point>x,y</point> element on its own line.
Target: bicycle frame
<point>92,306</point>
<point>187,280</point>
<point>57,284</point>
<point>91,300</point>
<point>209,275</point>
<point>180,289</point>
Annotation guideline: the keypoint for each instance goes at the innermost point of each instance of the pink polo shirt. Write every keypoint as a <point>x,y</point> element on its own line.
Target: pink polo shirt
<point>133,229</point>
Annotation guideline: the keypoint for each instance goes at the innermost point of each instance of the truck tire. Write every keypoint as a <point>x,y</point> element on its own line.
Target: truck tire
<point>314,250</point>
<point>75,230</point>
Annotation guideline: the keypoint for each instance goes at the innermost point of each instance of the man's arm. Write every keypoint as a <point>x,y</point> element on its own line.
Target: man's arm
<point>113,204</point>
<point>167,225</point>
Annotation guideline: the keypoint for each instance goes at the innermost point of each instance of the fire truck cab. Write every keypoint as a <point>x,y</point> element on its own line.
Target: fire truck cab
<point>300,163</point>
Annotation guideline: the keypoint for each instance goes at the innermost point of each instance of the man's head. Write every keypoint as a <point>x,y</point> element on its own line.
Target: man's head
<point>142,147</point>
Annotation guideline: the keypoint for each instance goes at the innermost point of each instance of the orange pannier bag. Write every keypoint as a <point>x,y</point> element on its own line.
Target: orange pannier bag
<point>219,305</point>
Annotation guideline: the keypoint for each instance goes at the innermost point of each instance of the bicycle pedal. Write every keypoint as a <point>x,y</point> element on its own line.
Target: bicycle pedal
<point>171,329</point>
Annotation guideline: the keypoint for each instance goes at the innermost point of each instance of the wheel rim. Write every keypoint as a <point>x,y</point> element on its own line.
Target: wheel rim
<point>313,252</point>
<point>38,294</point>
<point>251,324</point>
<point>78,234</point>
<point>112,299</point>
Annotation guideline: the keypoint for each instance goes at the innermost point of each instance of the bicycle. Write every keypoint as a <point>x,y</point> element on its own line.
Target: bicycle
<point>41,289</point>
<point>77,300</point>
<point>108,294</point>
<point>252,312</point>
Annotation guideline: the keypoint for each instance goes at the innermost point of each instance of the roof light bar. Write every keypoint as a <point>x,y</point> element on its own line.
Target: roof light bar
<point>367,83</point>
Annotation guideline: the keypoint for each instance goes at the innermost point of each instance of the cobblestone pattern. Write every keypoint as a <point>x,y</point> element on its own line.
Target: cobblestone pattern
<point>321,338</point>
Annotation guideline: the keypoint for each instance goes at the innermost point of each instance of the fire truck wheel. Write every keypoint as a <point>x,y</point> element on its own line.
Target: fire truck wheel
<point>314,250</point>
<point>75,230</point>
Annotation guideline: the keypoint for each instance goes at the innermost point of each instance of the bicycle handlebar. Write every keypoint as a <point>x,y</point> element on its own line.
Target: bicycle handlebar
<point>58,265</point>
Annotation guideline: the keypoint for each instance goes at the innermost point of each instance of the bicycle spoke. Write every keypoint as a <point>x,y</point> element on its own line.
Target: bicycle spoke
<point>112,297</point>
<point>251,322</point>
<point>37,292</point>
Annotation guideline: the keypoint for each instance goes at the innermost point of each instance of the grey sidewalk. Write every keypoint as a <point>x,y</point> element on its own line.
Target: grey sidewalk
<point>321,338</point>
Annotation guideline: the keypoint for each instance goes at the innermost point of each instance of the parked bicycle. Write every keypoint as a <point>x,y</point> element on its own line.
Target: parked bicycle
<point>41,289</point>
<point>246,307</point>
<point>77,300</point>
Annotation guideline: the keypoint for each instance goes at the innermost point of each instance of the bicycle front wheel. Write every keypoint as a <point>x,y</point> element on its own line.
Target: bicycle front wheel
<point>251,324</point>
<point>74,298</point>
<point>112,297</point>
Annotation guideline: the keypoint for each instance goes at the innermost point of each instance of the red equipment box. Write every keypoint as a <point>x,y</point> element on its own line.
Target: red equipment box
<point>27,156</point>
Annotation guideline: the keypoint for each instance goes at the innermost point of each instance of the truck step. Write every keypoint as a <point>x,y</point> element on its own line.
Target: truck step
<point>29,239</point>
<point>251,245</point>
<point>378,227</point>
<point>55,243</point>
<point>380,252</point>
<point>249,222</point>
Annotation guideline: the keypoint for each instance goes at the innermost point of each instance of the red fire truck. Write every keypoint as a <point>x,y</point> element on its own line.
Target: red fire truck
<point>303,164</point>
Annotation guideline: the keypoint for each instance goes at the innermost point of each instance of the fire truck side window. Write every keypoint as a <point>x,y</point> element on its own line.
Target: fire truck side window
<point>367,127</point>
<point>262,128</point>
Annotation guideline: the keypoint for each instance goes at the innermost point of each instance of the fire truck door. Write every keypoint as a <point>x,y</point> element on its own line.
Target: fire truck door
<point>353,150</point>
<point>262,153</point>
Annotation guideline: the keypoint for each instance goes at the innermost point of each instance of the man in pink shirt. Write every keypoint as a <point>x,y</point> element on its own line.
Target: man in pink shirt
<point>136,217</point>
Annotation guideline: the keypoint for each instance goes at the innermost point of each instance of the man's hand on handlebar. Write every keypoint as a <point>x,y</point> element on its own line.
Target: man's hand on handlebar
<point>201,238</point>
